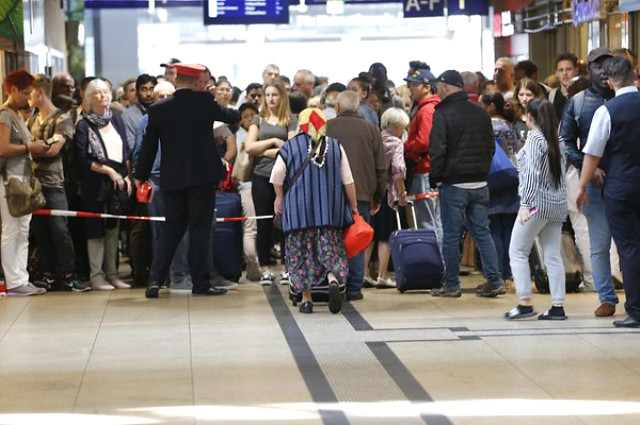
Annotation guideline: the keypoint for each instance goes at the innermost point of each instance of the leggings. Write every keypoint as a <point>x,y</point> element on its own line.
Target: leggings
<point>263,198</point>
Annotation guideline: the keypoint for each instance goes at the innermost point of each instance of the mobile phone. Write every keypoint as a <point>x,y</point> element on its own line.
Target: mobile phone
<point>53,140</point>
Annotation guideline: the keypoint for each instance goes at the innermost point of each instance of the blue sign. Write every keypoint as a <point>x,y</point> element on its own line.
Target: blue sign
<point>468,7</point>
<point>629,5</point>
<point>224,12</point>
<point>422,8</point>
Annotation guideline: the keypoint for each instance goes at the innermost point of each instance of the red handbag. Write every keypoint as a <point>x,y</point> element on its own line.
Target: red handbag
<point>358,236</point>
<point>145,193</point>
<point>229,184</point>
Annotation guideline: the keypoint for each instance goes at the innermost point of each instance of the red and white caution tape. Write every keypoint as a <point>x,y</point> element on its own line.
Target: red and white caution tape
<point>86,214</point>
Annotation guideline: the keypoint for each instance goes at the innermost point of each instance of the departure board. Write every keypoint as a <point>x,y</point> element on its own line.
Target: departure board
<point>133,4</point>
<point>221,12</point>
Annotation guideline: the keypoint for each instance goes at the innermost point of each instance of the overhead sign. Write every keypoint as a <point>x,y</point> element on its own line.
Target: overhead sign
<point>468,7</point>
<point>224,12</point>
<point>422,8</point>
<point>141,4</point>
<point>584,11</point>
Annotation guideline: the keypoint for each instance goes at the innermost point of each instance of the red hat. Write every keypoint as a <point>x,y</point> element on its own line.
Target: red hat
<point>189,70</point>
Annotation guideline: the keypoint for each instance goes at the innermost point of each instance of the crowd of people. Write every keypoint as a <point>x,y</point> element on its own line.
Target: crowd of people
<point>317,154</point>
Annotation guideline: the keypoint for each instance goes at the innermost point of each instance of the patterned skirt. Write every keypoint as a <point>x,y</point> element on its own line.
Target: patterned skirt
<point>311,254</point>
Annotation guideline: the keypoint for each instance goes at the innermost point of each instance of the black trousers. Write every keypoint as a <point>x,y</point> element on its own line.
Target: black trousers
<point>190,209</point>
<point>624,222</point>
<point>263,196</point>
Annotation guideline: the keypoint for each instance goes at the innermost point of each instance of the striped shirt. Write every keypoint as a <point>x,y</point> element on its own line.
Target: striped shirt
<point>536,187</point>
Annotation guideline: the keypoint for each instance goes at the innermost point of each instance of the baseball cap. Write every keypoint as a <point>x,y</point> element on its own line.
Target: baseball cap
<point>423,76</point>
<point>599,52</point>
<point>189,70</point>
<point>451,77</point>
<point>170,63</point>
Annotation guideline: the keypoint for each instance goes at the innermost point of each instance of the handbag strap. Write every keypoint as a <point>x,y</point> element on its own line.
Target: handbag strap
<point>300,171</point>
<point>14,119</point>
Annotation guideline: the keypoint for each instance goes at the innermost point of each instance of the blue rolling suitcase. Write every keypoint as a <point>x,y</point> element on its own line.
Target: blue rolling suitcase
<point>416,258</point>
<point>227,237</point>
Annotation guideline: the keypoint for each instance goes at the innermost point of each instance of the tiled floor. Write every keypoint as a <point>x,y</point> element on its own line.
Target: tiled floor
<point>249,357</point>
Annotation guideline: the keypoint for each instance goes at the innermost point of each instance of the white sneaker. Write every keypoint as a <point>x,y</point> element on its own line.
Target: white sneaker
<point>118,284</point>
<point>284,278</point>
<point>266,278</point>
<point>25,290</point>
<point>385,283</point>
<point>102,285</point>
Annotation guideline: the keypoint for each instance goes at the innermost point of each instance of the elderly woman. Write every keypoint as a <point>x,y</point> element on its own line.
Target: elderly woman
<point>394,121</point>
<point>15,162</point>
<point>103,158</point>
<point>314,208</point>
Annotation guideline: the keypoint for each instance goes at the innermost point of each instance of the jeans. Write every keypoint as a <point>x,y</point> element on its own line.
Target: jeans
<point>550,236</point>
<point>428,210</point>
<point>456,204</point>
<point>179,269</point>
<point>52,237</point>
<point>355,279</point>
<point>600,240</point>
<point>501,226</point>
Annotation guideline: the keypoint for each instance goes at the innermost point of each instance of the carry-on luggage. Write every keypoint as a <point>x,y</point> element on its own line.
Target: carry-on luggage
<point>570,260</point>
<point>227,237</point>
<point>319,294</point>
<point>416,258</point>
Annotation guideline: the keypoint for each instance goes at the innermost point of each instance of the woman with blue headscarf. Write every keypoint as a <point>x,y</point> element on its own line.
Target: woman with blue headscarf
<point>316,196</point>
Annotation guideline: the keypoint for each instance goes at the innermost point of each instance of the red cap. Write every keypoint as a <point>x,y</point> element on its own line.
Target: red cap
<point>189,70</point>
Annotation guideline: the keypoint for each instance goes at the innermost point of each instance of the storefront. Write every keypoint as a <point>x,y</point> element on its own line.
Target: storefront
<point>543,29</point>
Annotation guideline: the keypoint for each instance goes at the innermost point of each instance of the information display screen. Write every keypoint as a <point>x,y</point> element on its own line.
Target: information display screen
<point>142,4</point>
<point>221,12</point>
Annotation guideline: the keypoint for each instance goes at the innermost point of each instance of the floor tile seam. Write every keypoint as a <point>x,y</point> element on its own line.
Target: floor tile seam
<point>90,355</point>
<point>20,313</point>
<point>611,358</point>
<point>191,367</point>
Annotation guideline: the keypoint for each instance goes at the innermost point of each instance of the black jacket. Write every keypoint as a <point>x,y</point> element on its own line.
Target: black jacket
<point>462,141</point>
<point>183,124</point>
<point>574,132</point>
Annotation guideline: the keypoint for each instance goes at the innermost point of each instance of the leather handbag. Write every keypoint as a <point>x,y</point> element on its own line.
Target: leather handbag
<point>243,167</point>
<point>358,236</point>
<point>24,197</point>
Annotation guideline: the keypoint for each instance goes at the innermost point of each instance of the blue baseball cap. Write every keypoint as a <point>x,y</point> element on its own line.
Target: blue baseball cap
<point>422,76</point>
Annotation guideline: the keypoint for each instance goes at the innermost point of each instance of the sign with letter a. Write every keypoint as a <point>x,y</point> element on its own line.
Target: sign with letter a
<point>422,8</point>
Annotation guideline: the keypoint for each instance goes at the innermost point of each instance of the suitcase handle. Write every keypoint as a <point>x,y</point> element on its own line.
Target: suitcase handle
<point>413,210</point>
<point>413,213</point>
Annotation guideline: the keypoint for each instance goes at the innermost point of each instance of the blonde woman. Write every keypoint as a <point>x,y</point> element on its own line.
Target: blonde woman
<point>267,134</point>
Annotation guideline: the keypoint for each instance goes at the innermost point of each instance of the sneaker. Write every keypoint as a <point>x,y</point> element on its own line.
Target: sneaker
<point>488,291</point>
<point>284,278</point>
<point>222,283</point>
<point>445,292</point>
<point>44,282</point>
<point>266,278</point>
<point>386,282</point>
<point>73,284</point>
<point>520,312</point>
<point>102,285</point>
<point>554,313</point>
<point>253,275</point>
<point>118,284</point>
<point>182,285</point>
<point>25,290</point>
<point>368,282</point>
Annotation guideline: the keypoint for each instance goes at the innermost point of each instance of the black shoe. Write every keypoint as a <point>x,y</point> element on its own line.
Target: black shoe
<point>488,291</point>
<point>211,291</point>
<point>306,307</point>
<point>554,313</point>
<point>629,322</point>
<point>335,298</point>
<point>46,282</point>
<point>520,312</point>
<point>355,296</point>
<point>72,284</point>
<point>152,291</point>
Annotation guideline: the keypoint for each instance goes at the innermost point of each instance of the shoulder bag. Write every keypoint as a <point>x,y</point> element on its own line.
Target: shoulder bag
<point>23,197</point>
<point>277,218</point>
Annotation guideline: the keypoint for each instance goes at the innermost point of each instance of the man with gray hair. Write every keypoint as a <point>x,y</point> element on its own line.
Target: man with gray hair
<point>470,81</point>
<point>362,142</point>
<point>503,75</point>
<point>304,82</point>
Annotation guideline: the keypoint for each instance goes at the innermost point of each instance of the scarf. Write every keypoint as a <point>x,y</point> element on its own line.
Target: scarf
<point>95,142</point>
